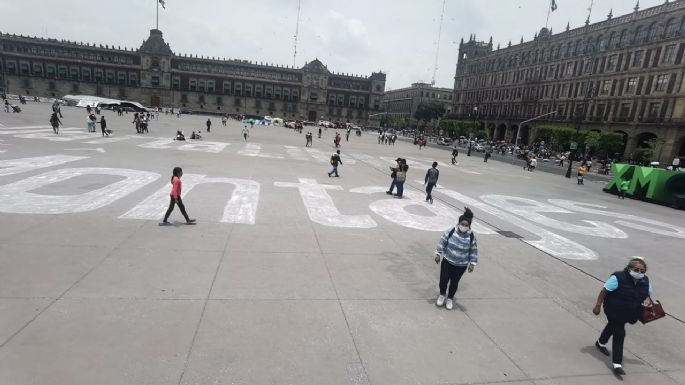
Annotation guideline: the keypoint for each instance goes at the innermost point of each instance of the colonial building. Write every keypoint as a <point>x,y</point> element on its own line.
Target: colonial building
<point>624,74</point>
<point>155,76</point>
<point>402,103</point>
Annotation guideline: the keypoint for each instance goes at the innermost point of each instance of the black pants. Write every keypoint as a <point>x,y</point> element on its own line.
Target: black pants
<point>615,328</point>
<point>180,206</point>
<point>429,189</point>
<point>450,274</point>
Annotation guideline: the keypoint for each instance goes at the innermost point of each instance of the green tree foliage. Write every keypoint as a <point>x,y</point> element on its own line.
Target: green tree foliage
<point>642,155</point>
<point>455,128</point>
<point>602,144</point>
<point>428,111</point>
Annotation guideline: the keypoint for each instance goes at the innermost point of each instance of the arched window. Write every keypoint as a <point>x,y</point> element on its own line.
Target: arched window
<point>625,38</point>
<point>682,27</point>
<point>568,50</point>
<point>640,34</point>
<point>652,32</point>
<point>613,40</point>
<point>577,50</point>
<point>601,42</point>
<point>671,28</point>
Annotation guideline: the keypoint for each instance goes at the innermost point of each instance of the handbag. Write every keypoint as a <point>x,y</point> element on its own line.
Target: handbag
<point>652,313</point>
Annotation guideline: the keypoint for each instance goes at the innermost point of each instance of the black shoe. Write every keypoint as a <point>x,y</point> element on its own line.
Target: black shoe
<point>190,222</point>
<point>602,349</point>
<point>619,371</point>
<point>389,192</point>
<point>431,200</point>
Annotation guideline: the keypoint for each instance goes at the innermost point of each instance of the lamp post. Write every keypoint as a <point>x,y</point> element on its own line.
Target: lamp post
<point>518,129</point>
<point>475,112</point>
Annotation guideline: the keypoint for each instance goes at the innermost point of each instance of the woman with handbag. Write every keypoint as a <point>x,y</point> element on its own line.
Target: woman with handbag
<point>623,296</point>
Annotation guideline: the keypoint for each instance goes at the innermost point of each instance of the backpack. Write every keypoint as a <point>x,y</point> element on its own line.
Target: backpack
<point>471,236</point>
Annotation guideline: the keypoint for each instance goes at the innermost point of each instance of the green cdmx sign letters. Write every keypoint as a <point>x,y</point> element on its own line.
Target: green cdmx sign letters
<point>646,183</point>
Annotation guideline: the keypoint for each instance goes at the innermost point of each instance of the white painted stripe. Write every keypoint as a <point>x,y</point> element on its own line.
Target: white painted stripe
<point>255,150</point>
<point>296,153</point>
<point>209,147</point>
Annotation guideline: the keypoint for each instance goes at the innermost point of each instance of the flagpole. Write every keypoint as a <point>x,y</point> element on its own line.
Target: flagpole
<point>549,10</point>
<point>157,26</point>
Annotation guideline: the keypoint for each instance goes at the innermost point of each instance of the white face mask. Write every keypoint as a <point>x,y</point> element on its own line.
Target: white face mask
<point>463,229</point>
<point>636,275</point>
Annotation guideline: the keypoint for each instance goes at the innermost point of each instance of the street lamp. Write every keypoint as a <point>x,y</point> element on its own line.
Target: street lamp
<point>475,113</point>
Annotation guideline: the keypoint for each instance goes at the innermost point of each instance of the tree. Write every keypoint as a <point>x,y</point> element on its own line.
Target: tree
<point>612,143</point>
<point>428,111</point>
<point>656,145</point>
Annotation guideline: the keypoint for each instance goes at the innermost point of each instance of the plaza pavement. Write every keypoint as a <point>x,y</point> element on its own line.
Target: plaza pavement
<point>99,297</point>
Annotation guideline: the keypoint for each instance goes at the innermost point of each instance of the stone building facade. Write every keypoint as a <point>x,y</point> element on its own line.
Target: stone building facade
<point>154,75</point>
<point>624,74</point>
<point>402,103</point>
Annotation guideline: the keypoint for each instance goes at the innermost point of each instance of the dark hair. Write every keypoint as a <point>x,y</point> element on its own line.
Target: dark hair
<point>634,261</point>
<point>467,215</point>
<point>435,164</point>
<point>176,173</point>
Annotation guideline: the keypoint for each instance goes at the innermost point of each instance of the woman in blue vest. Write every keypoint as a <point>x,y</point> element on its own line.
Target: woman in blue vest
<point>623,295</point>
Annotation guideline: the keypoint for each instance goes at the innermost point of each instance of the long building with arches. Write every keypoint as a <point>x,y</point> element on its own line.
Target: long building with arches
<point>154,75</point>
<point>624,74</point>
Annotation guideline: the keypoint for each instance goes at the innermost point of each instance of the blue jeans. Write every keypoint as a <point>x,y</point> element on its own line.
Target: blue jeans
<point>400,187</point>
<point>334,171</point>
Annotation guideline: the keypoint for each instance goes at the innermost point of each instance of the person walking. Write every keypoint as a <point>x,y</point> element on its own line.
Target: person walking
<point>319,132</point>
<point>623,295</point>
<point>623,189</point>
<point>245,133</point>
<point>209,124</point>
<point>347,134</point>
<point>335,160</point>
<point>308,137</point>
<point>431,180</point>
<point>581,173</point>
<point>176,197</point>
<point>55,122</point>
<point>223,120</point>
<point>458,250</point>
<point>103,126</point>
<point>455,153</point>
<point>393,175</point>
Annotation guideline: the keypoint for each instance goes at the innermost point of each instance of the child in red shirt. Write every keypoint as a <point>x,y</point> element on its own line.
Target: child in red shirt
<point>176,197</point>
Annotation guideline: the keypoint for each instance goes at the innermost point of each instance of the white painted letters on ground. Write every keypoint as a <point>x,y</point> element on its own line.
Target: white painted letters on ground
<point>17,166</point>
<point>16,198</point>
<point>626,220</point>
<point>321,208</point>
<point>549,242</point>
<point>241,207</point>
<point>531,210</point>
<point>395,211</point>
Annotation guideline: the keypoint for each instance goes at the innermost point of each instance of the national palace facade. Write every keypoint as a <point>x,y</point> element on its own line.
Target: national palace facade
<point>624,74</point>
<point>154,75</point>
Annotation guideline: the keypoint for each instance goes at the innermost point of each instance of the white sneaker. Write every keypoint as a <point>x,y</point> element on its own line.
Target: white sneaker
<point>440,301</point>
<point>449,304</point>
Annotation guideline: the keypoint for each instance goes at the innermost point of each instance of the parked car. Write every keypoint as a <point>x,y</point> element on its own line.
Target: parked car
<point>185,110</point>
<point>444,141</point>
<point>478,147</point>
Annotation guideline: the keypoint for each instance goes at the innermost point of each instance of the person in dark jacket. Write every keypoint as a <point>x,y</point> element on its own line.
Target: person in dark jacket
<point>431,180</point>
<point>103,126</point>
<point>335,161</point>
<point>623,295</point>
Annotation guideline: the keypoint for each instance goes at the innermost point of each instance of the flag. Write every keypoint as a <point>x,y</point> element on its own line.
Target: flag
<point>162,2</point>
<point>552,6</point>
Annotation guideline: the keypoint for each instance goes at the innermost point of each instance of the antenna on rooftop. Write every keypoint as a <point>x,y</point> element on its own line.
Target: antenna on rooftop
<point>297,31</point>
<point>437,48</point>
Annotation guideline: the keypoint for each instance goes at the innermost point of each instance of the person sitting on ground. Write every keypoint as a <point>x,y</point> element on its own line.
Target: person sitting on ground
<point>179,135</point>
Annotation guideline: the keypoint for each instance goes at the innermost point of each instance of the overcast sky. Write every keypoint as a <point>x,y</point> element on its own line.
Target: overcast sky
<point>398,37</point>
